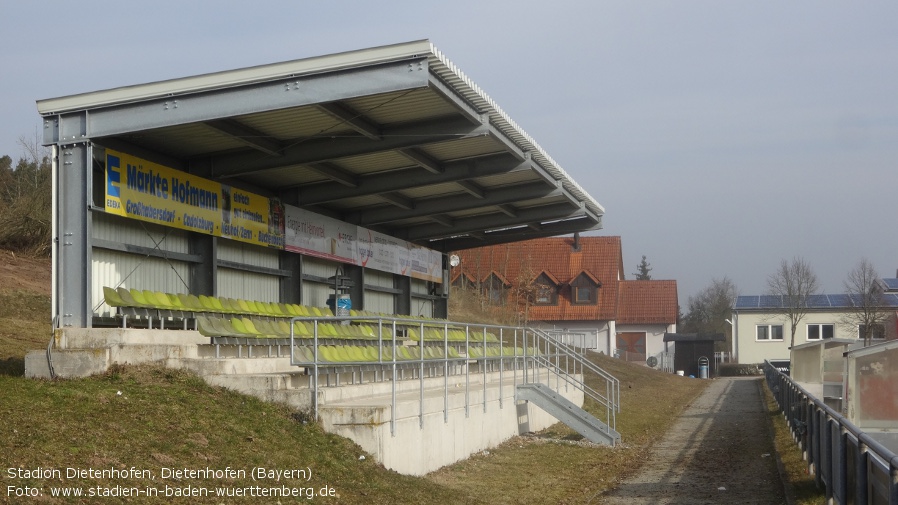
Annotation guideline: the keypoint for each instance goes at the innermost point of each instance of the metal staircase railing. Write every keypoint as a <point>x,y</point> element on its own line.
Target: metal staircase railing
<point>571,364</point>
<point>537,357</point>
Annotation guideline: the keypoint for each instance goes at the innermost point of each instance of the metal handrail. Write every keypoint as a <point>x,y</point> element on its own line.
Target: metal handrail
<point>825,436</point>
<point>524,363</point>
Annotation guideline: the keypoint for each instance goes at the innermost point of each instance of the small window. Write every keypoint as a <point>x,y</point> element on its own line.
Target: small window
<point>878,331</point>
<point>584,294</point>
<point>495,290</point>
<point>769,332</point>
<point>546,291</point>
<point>584,290</point>
<point>821,331</point>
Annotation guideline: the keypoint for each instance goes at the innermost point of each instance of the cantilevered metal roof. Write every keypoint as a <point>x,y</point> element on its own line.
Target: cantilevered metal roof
<point>394,138</point>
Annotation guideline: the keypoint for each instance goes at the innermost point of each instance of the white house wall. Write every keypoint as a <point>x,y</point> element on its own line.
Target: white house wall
<point>750,350</point>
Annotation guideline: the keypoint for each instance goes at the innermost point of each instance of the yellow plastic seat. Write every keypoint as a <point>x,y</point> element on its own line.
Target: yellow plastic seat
<point>113,299</point>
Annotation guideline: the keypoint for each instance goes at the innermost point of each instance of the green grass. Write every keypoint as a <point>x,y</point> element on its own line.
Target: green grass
<point>24,326</point>
<point>795,469</point>
<point>150,417</point>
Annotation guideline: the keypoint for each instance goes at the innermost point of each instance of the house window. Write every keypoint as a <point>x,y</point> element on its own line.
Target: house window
<point>584,290</point>
<point>546,291</point>
<point>821,331</point>
<point>878,331</point>
<point>584,294</point>
<point>494,289</point>
<point>769,332</point>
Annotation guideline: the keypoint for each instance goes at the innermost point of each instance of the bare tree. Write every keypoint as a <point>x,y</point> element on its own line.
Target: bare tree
<point>794,282</point>
<point>710,308</point>
<point>866,300</point>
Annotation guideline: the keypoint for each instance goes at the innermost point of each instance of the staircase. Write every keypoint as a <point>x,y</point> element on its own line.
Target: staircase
<point>562,409</point>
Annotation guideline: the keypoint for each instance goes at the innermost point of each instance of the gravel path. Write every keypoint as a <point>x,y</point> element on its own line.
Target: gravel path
<point>719,451</point>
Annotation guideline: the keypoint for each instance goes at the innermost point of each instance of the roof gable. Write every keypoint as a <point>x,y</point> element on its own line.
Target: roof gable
<point>648,302</point>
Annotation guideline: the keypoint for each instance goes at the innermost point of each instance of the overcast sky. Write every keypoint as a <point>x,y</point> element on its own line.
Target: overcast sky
<point>720,137</point>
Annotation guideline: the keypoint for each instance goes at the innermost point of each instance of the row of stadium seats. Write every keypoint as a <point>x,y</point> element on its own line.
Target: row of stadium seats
<point>370,353</point>
<point>187,304</point>
<point>452,335</point>
<point>247,327</point>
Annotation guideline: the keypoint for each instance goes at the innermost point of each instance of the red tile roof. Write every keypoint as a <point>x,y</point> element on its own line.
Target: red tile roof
<point>599,257</point>
<point>647,302</point>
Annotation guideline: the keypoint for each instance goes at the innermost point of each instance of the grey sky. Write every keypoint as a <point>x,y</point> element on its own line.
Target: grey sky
<point>720,137</point>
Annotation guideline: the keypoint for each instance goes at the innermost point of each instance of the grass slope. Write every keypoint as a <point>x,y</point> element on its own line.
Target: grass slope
<point>150,417</point>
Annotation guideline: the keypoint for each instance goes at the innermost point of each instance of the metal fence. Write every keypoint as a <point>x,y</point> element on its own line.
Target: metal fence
<point>849,464</point>
<point>529,356</point>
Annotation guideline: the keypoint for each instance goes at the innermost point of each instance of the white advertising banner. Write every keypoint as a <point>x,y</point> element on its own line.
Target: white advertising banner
<point>328,238</point>
<point>320,236</point>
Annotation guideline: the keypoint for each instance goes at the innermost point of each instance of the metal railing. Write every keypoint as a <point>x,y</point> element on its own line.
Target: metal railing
<point>571,363</point>
<point>848,463</point>
<point>525,356</point>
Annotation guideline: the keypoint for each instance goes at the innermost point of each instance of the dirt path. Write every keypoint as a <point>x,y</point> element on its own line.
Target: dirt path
<point>720,451</point>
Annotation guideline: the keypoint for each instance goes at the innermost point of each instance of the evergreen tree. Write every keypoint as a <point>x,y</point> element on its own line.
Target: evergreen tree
<point>642,270</point>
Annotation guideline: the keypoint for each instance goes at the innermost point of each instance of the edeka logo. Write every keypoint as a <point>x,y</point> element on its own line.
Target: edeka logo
<point>113,176</point>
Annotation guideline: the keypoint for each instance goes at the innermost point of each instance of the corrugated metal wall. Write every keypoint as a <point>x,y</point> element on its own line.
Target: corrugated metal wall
<point>114,268</point>
<point>313,293</point>
<point>247,285</point>
<point>375,300</point>
<point>420,306</point>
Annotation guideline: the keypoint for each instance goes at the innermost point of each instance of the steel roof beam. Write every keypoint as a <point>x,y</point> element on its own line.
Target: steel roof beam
<point>409,178</point>
<point>319,149</point>
<point>352,118</point>
<point>249,136</point>
<point>508,210</point>
<point>426,162</point>
<point>581,224</point>
<point>472,189</point>
<point>336,174</point>
<point>466,109</point>
<point>500,197</point>
<point>166,109</point>
<point>399,200</point>
<point>442,219</point>
<point>494,221</point>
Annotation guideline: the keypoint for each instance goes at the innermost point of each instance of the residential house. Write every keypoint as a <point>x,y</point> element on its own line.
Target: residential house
<point>761,331</point>
<point>575,285</point>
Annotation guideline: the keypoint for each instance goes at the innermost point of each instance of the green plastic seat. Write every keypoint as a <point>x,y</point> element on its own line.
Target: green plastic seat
<point>137,296</point>
<point>204,326</point>
<point>112,298</point>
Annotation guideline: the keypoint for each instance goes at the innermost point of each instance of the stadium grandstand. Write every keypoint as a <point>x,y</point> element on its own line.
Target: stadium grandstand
<point>285,230</point>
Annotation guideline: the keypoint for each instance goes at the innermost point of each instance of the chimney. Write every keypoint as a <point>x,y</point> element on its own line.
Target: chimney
<point>576,246</point>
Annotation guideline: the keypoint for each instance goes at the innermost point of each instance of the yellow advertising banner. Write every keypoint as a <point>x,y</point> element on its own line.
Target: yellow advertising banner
<point>140,189</point>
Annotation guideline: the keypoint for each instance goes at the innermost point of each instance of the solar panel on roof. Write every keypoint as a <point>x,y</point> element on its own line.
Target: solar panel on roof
<point>770,301</point>
<point>818,301</point>
<point>891,284</point>
<point>746,302</point>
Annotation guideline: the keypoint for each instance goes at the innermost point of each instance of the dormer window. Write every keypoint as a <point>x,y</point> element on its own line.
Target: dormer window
<point>584,289</point>
<point>463,281</point>
<point>546,290</point>
<point>495,286</point>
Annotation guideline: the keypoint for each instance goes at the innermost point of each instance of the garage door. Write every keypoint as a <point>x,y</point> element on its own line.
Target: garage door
<point>631,345</point>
